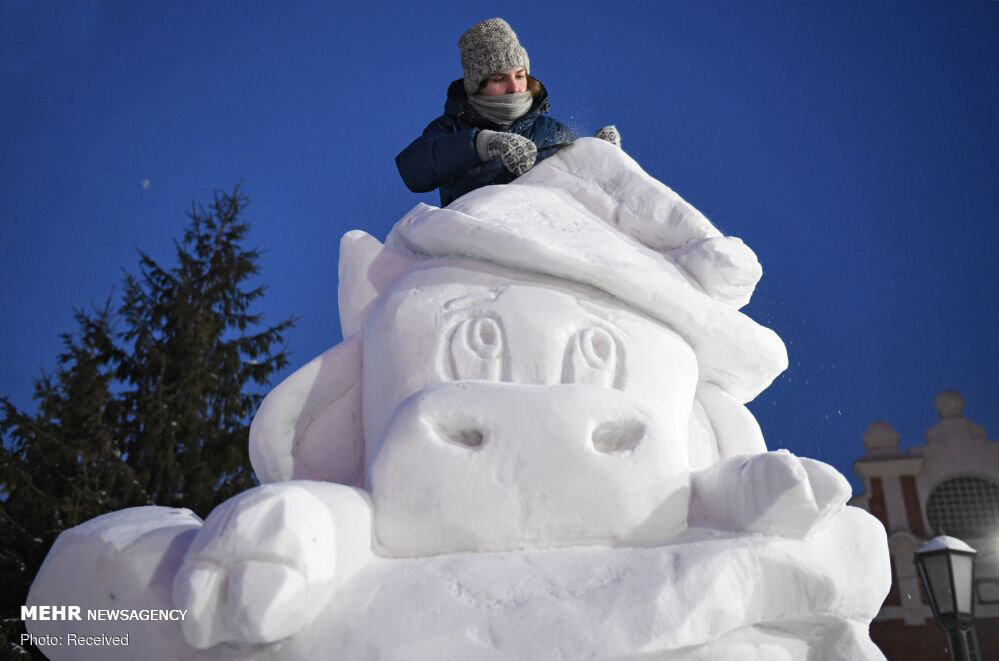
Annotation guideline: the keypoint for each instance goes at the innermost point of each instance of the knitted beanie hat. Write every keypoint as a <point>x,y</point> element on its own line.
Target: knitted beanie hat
<point>489,47</point>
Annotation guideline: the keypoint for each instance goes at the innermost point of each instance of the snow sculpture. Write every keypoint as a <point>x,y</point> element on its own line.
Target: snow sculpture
<point>532,444</point>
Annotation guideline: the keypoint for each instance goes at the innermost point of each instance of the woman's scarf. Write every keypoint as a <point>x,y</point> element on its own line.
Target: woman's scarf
<point>503,109</point>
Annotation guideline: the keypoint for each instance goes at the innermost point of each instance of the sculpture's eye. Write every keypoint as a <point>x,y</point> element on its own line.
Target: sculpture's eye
<point>591,358</point>
<point>477,349</point>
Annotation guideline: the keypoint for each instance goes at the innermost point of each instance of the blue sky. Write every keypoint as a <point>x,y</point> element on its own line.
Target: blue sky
<point>853,145</point>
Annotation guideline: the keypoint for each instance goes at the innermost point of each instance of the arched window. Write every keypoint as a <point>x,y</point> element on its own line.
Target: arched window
<point>964,507</point>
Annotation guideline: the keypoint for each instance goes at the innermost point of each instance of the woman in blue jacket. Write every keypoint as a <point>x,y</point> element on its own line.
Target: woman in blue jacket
<point>494,127</point>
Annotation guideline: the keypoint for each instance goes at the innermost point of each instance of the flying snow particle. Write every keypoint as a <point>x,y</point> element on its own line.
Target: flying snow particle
<point>146,184</point>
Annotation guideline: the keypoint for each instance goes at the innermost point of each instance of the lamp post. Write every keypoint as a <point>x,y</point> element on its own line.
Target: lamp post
<point>947,568</point>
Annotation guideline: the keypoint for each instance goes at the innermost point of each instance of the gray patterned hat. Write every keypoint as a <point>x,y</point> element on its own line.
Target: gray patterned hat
<point>489,47</point>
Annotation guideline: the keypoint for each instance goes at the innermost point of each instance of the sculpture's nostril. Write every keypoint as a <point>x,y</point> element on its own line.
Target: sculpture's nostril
<point>464,436</point>
<point>617,437</point>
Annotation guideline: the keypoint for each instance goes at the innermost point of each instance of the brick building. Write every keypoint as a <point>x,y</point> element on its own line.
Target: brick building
<point>949,486</point>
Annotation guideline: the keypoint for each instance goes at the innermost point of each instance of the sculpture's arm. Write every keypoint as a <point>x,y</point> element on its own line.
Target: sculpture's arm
<point>266,561</point>
<point>773,493</point>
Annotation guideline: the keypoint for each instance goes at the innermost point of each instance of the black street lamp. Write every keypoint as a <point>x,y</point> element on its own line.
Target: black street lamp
<point>947,568</point>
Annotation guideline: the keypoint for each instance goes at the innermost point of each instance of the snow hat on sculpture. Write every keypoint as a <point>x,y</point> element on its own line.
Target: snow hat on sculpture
<point>625,233</point>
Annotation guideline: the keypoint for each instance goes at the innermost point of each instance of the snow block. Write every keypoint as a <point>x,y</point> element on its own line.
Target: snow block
<point>532,444</point>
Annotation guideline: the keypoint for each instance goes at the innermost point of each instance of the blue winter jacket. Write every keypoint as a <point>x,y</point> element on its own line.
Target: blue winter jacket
<point>444,156</point>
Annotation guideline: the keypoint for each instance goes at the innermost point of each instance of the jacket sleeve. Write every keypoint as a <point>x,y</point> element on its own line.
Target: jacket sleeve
<point>553,136</point>
<point>442,153</point>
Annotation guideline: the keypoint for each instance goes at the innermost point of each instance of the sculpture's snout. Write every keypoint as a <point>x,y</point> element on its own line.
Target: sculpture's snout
<point>489,465</point>
<point>620,434</point>
<point>538,420</point>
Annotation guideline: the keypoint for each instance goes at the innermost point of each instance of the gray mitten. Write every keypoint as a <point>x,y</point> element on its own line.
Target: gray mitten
<point>517,152</point>
<point>610,134</point>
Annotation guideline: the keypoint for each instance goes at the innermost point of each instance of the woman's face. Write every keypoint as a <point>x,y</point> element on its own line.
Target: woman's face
<point>510,81</point>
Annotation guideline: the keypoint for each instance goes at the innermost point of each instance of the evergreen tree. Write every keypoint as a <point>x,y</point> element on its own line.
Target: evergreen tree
<point>191,360</point>
<point>63,464</point>
<point>157,412</point>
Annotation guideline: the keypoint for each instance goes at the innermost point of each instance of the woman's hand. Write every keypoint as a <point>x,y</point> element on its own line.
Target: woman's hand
<point>517,153</point>
<point>610,134</point>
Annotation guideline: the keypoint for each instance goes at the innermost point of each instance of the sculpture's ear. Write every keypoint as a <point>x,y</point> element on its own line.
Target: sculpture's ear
<point>367,268</point>
<point>309,427</point>
<point>736,430</point>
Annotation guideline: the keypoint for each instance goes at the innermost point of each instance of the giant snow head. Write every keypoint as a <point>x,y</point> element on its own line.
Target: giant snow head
<point>537,364</point>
